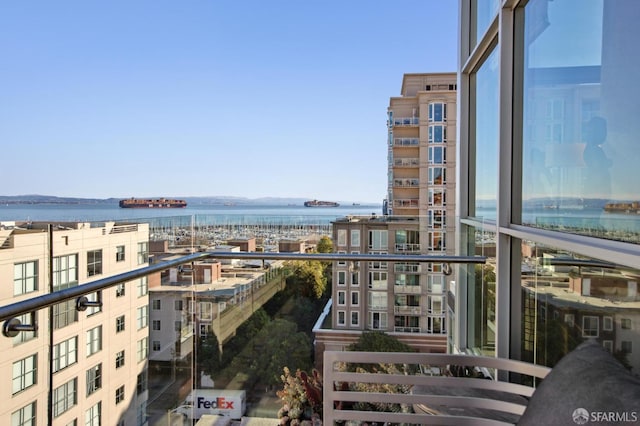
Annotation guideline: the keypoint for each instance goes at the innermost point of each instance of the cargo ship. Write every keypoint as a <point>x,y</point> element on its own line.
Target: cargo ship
<point>148,203</point>
<point>626,208</point>
<point>316,203</point>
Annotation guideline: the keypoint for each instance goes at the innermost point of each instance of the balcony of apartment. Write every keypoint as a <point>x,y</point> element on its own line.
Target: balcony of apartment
<point>405,121</point>
<point>411,248</point>
<point>406,183</point>
<point>406,142</point>
<point>434,389</point>
<point>406,162</point>
<point>406,203</point>
<point>407,310</point>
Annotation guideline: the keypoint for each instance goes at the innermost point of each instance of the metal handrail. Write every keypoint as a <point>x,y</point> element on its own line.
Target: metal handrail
<point>11,311</point>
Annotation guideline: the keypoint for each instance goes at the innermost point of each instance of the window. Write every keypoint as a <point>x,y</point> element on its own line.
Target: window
<point>65,271</point>
<point>590,326</point>
<point>437,176</point>
<point>94,379</point>
<point>341,262</point>
<point>437,197</point>
<point>155,345</point>
<point>93,416</point>
<point>26,416</point>
<point>94,340</point>
<point>177,305</point>
<point>569,319</point>
<point>378,239</point>
<point>437,218</point>
<point>156,325</point>
<point>355,278</point>
<point>65,397</point>
<point>437,240</point>
<point>142,382</point>
<point>143,253</point>
<point>378,300</point>
<point>119,359</point>
<point>25,373</point>
<point>342,318</point>
<point>342,237</point>
<point>437,134</point>
<point>607,323</point>
<point>64,313</point>
<point>342,278</point>
<point>120,290</point>
<point>206,311</point>
<point>120,324</point>
<point>143,349</point>
<point>378,280</point>
<point>608,345</point>
<point>355,238</point>
<point>141,414</point>
<point>93,297</point>
<point>625,323</point>
<point>625,346</point>
<point>25,277</point>
<point>94,262</point>
<point>354,318</point>
<point>119,394</point>
<point>378,320</point>
<point>142,286</point>
<point>437,112</point>
<point>355,298</point>
<point>25,336</point>
<point>119,253</point>
<point>437,155</point>
<point>143,316</point>
<point>342,298</point>
<point>65,354</point>
<point>156,304</point>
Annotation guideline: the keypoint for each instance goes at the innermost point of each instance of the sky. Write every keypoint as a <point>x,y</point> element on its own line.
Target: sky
<point>278,98</point>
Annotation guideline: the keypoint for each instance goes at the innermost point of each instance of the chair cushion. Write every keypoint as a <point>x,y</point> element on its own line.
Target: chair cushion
<point>587,385</point>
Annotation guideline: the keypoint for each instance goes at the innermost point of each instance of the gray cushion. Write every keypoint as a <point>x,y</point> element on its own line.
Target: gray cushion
<point>591,379</point>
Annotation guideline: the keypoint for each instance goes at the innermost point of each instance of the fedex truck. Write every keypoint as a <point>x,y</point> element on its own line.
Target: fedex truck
<point>221,402</point>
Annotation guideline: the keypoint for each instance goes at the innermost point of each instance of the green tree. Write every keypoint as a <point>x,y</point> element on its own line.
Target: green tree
<point>307,278</point>
<point>378,341</point>
<point>325,245</point>
<point>280,344</point>
<point>209,359</point>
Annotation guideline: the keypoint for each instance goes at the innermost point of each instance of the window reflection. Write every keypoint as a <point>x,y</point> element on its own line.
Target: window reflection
<point>568,298</point>
<point>580,129</point>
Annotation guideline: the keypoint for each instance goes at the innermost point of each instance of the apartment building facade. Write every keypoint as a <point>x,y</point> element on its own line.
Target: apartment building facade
<point>406,299</point>
<point>547,130</point>
<point>89,365</point>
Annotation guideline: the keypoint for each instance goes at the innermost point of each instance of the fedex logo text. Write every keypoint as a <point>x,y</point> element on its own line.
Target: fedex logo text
<point>219,403</point>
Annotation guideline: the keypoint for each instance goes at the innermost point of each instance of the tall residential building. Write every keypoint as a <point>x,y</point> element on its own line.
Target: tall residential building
<point>547,178</point>
<point>406,299</point>
<point>89,366</point>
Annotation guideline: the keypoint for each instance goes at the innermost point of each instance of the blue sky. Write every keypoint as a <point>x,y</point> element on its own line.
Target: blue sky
<point>256,98</point>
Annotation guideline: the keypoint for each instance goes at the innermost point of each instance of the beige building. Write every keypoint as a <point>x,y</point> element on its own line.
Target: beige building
<point>404,299</point>
<point>94,362</point>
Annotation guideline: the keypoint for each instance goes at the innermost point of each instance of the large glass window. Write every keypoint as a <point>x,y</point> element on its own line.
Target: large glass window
<point>26,416</point>
<point>65,353</point>
<point>568,298</point>
<point>25,373</point>
<point>65,397</point>
<point>94,262</point>
<point>25,277</point>
<point>484,11</point>
<point>65,271</point>
<point>580,126</point>
<point>485,85</point>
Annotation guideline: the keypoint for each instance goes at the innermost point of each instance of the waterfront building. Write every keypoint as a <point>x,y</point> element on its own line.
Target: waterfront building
<point>546,137</point>
<point>403,298</point>
<point>97,372</point>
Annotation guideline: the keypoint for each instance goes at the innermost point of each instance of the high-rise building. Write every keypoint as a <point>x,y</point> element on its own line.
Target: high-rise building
<point>88,365</point>
<point>547,178</point>
<point>406,299</point>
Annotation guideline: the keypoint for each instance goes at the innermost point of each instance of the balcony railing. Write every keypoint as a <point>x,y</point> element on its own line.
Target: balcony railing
<point>406,142</point>
<point>406,121</point>
<point>406,162</point>
<point>428,391</point>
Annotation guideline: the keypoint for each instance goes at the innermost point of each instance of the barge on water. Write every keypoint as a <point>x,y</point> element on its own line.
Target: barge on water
<point>149,203</point>
<point>316,203</point>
